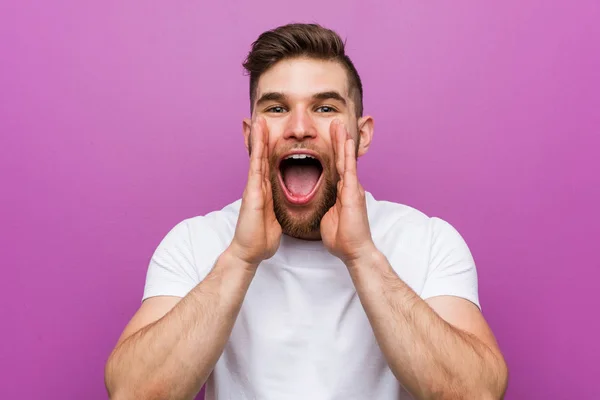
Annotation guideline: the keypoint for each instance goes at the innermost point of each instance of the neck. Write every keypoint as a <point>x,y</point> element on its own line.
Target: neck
<point>310,236</point>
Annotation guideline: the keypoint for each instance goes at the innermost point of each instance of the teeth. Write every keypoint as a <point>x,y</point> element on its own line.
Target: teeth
<point>299,156</point>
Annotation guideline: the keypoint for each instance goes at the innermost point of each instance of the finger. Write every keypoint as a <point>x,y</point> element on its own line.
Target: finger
<point>264,130</point>
<point>265,174</point>
<point>255,172</point>
<point>333,135</point>
<point>340,138</point>
<point>350,177</point>
<point>265,170</point>
<point>265,154</point>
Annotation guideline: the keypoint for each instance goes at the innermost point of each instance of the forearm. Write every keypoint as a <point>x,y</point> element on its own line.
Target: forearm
<point>173,357</point>
<point>431,358</point>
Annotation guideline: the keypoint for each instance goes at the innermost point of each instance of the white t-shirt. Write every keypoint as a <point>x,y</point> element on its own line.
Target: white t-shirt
<point>302,332</point>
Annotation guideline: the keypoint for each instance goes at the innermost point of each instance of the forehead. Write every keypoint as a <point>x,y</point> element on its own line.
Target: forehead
<point>302,77</point>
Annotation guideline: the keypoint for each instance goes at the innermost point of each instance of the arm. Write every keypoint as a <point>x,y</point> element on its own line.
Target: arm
<point>171,346</point>
<point>172,356</point>
<point>442,349</point>
<point>437,350</point>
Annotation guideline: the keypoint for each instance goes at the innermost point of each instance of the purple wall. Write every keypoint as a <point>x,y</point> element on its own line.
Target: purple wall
<point>117,120</point>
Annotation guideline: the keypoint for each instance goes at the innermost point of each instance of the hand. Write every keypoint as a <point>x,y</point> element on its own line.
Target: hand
<point>258,233</point>
<point>345,227</point>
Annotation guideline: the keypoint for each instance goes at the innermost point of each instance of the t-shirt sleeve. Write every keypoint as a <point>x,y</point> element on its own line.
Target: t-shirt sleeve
<point>452,270</point>
<point>172,270</point>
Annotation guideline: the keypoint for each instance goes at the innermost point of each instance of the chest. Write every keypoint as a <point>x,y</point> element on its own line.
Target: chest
<point>315,306</point>
<point>303,330</point>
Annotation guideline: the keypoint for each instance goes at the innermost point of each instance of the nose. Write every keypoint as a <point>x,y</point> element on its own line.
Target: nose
<point>300,126</point>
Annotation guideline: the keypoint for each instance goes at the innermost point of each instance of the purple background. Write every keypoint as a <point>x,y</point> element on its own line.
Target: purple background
<point>119,119</point>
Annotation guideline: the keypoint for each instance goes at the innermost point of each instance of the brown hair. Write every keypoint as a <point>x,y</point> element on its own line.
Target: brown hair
<point>301,40</point>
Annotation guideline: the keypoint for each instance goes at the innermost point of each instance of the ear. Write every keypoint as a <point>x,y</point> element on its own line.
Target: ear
<point>365,131</point>
<point>246,128</point>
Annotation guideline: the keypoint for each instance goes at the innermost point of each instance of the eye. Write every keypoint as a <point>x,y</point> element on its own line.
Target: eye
<point>325,109</point>
<point>276,109</point>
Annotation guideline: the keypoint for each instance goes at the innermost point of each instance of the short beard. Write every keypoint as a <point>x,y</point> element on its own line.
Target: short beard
<point>309,227</point>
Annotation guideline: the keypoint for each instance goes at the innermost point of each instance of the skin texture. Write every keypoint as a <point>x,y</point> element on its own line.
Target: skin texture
<point>441,348</point>
<point>300,118</point>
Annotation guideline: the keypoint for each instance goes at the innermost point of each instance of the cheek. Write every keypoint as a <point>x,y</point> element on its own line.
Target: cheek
<point>323,125</point>
<point>276,129</point>
<point>324,130</point>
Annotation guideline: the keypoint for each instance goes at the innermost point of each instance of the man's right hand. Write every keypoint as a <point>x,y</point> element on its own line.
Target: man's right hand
<point>176,339</point>
<point>258,233</point>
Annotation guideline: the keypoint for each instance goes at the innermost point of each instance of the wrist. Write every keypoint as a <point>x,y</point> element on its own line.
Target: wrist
<point>236,257</point>
<point>366,256</point>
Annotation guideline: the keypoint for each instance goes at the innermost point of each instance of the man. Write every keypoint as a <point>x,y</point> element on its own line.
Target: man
<point>308,287</point>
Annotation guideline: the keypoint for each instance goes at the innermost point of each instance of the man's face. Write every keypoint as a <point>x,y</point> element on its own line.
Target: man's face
<point>299,98</point>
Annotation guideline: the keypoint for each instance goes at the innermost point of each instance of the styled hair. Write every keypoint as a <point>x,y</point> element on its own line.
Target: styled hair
<point>301,40</point>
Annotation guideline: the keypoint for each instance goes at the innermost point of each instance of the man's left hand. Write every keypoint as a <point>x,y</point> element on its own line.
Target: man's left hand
<point>345,227</point>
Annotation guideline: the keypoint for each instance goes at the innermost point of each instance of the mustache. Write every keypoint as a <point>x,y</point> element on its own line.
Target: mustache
<point>324,157</point>
<point>276,154</point>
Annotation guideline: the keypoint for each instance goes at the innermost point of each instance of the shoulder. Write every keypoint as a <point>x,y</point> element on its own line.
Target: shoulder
<point>203,237</point>
<point>427,252</point>
<point>386,213</point>
<point>410,229</point>
<point>186,254</point>
<point>216,226</point>
<point>391,219</point>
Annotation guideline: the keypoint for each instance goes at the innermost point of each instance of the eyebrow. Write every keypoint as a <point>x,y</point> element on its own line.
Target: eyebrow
<point>271,96</point>
<point>279,96</point>
<point>331,95</point>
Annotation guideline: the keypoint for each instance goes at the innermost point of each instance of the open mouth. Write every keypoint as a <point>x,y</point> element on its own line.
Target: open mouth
<point>300,176</point>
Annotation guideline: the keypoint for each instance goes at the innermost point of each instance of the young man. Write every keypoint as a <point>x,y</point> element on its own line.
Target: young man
<point>308,287</point>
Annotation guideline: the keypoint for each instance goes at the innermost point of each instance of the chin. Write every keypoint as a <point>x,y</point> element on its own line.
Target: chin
<point>303,221</point>
<point>304,188</point>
